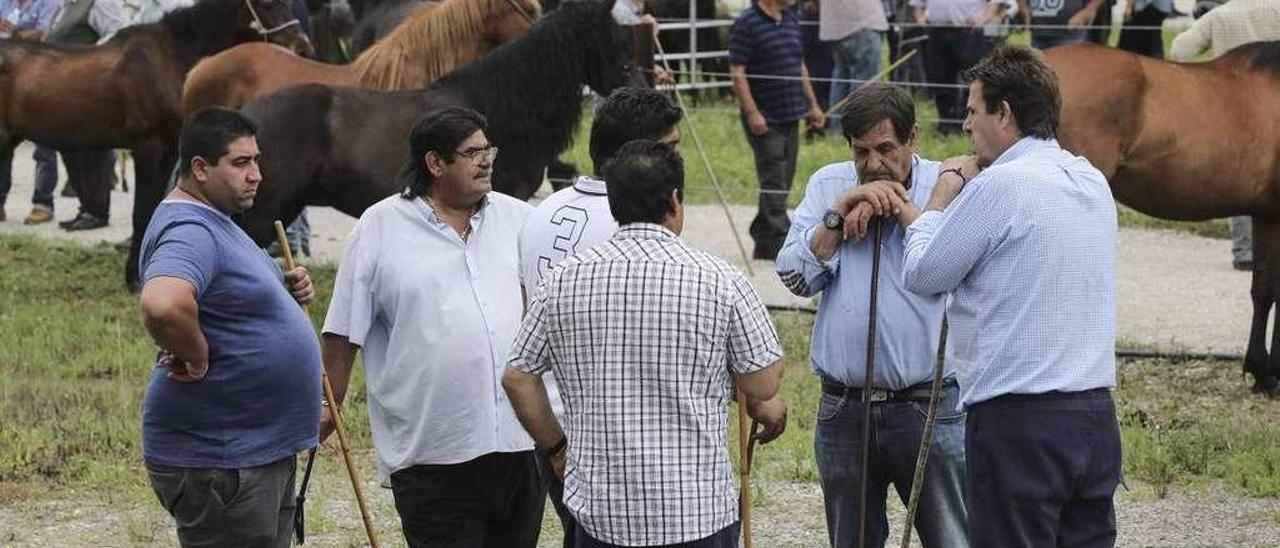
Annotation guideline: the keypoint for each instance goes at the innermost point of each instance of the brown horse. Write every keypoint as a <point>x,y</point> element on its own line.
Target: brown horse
<point>125,93</point>
<point>1189,142</point>
<point>432,42</point>
<point>344,147</point>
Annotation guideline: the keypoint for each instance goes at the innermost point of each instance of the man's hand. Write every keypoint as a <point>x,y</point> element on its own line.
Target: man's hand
<point>327,425</point>
<point>817,119</point>
<point>857,221</point>
<point>184,371</point>
<point>299,283</point>
<point>1082,18</point>
<point>885,197</point>
<point>949,184</point>
<point>757,124</point>
<point>771,414</point>
<point>6,26</point>
<point>558,462</point>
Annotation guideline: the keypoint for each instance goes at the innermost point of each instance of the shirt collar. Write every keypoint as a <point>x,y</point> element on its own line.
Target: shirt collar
<point>431,210</point>
<point>588,185</point>
<point>1023,147</point>
<point>645,231</point>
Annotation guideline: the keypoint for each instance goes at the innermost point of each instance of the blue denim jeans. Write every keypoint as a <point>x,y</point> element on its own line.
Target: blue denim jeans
<point>46,178</point>
<point>1242,238</point>
<point>857,56</point>
<point>896,428</point>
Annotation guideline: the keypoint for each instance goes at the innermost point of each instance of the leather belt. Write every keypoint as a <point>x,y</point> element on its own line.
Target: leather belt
<point>919,392</point>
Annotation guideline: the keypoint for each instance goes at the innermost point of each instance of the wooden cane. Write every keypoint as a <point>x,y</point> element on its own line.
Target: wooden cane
<point>331,402</point>
<point>745,426</point>
<point>868,382</point>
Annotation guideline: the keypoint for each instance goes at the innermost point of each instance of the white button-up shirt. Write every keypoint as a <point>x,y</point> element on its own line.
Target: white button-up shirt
<point>1227,27</point>
<point>1028,252</point>
<point>435,317</point>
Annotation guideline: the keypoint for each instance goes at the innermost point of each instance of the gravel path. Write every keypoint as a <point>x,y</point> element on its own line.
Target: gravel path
<point>1174,291</point>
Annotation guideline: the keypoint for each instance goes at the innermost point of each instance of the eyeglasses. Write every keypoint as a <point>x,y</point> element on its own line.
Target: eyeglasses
<point>479,155</point>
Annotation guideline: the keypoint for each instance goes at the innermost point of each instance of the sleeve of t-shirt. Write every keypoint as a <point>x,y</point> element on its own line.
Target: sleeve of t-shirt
<point>186,251</point>
<point>351,308</point>
<point>531,351</point>
<point>753,340</point>
<point>742,45</point>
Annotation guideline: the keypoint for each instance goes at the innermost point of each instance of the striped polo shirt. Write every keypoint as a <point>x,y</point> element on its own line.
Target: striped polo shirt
<point>770,48</point>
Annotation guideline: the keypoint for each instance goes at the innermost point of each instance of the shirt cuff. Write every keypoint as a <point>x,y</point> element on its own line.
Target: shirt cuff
<point>807,255</point>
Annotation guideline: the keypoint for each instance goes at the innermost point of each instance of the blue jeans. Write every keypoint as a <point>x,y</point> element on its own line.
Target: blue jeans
<point>1057,38</point>
<point>46,178</point>
<point>895,433</point>
<point>1242,238</point>
<point>857,56</point>
<point>725,538</point>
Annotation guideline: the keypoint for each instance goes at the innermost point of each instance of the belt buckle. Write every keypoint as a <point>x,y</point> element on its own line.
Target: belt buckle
<point>878,395</point>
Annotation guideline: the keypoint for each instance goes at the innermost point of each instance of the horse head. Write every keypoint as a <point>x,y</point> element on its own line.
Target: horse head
<point>611,64</point>
<point>273,21</point>
<point>511,20</point>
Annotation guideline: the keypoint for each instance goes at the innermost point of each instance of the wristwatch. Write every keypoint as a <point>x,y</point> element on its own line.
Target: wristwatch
<point>832,220</point>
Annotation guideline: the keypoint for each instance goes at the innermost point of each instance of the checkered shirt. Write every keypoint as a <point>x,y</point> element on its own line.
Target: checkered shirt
<point>642,333</point>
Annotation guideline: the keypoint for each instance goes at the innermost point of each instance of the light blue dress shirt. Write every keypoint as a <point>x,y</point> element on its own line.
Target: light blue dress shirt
<point>35,15</point>
<point>907,325</point>
<point>1028,253</point>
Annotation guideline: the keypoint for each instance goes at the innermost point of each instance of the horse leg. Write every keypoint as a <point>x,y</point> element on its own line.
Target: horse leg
<point>152,167</point>
<point>1262,363</point>
<point>6,172</point>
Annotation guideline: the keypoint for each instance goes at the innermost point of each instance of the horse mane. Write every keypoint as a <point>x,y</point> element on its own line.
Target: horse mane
<point>1261,56</point>
<point>530,89</point>
<point>200,29</point>
<point>438,38</point>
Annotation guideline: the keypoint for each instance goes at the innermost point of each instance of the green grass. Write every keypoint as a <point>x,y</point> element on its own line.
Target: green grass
<point>724,141</point>
<point>76,363</point>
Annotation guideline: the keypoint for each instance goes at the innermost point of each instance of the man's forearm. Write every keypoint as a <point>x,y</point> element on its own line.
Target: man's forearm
<point>529,400</point>
<point>338,355</point>
<point>810,98</point>
<point>824,242</point>
<point>171,317</point>
<point>740,86</point>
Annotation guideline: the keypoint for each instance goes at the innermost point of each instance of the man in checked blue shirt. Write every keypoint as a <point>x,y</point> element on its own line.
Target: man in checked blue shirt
<point>826,252</point>
<point>1027,253</point>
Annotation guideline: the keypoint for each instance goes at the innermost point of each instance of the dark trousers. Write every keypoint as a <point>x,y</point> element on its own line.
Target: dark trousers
<point>555,492</point>
<point>246,507</point>
<point>492,501</point>
<point>948,52</point>
<point>1043,470</point>
<point>1144,42</point>
<point>775,154</point>
<point>725,538</point>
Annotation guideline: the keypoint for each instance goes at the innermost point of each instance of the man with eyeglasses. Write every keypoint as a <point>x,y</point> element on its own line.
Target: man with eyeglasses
<point>429,289</point>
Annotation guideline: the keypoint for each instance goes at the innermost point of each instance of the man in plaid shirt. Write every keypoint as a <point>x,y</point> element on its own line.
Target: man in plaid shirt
<point>647,338</point>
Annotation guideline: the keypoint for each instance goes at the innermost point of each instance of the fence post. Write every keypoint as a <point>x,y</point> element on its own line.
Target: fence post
<point>693,42</point>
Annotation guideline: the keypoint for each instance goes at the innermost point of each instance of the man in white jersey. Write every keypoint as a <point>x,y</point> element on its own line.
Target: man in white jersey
<point>577,218</point>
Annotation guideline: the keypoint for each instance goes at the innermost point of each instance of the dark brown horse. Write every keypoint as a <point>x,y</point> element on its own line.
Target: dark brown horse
<point>1188,142</point>
<point>344,147</point>
<point>435,40</point>
<point>125,93</point>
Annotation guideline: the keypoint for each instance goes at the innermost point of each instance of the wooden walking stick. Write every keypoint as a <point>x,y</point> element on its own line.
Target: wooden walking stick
<point>744,468</point>
<point>867,382</point>
<point>926,438</point>
<point>331,402</point>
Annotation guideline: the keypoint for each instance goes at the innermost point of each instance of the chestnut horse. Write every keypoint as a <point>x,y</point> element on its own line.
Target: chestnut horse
<point>125,93</point>
<point>344,147</point>
<point>1187,142</point>
<point>432,42</point>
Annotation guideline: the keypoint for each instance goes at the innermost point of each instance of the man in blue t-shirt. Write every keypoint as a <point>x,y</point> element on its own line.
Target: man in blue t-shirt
<point>235,393</point>
<point>766,60</point>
